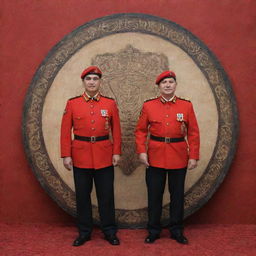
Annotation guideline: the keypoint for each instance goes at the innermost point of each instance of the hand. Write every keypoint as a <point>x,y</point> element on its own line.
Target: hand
<point>192,163</point>
<point>144,158</point>
<point>115,160</point>
<point>67,162</point>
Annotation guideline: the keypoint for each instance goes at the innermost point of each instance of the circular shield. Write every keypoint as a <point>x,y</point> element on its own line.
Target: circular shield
<point>131,50</point>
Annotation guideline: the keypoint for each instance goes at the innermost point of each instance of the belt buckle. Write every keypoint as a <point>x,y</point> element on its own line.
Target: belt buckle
<point>93,139</point>
<point>167,140</point>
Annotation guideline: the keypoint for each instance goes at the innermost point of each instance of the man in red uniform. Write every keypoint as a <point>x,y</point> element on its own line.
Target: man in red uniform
<point>91,154</point>
<point>173,147</point>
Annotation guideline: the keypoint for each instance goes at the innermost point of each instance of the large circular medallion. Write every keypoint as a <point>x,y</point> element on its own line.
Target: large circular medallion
<point>131,50</point>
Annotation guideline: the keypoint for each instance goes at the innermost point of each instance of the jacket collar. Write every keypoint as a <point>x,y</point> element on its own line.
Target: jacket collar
<point>88,97</point>
<point>163,100</point>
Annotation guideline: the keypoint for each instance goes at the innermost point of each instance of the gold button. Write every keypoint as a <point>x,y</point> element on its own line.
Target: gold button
<point>167,115</point>
<point>92,113</point>
<point>91,106</point>
<point>167,123</point>
<point>93,129</point>
<point>93,121</point>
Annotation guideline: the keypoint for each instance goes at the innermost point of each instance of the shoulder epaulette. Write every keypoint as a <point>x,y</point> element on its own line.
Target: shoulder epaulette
<point>181,98</point>
<point>75,97</point>
<point>107,97</point>
<point>153,98</point>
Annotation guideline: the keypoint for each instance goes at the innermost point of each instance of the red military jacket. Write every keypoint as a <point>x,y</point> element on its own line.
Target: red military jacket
<point>172,119</point>
<point>90,117</point>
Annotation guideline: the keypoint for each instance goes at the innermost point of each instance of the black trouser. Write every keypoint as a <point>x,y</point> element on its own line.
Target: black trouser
<point>156,180</point>
<point>103,180</point>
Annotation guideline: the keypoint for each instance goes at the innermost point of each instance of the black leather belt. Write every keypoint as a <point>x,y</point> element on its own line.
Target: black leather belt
<point>92,138</point>
<point>166,139</point>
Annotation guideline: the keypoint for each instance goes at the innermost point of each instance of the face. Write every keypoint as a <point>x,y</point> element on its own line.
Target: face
<point>167,87</point>
<point>92,84</point>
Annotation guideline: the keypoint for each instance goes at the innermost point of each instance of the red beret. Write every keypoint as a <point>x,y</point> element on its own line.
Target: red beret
<point>91,70</point>
<point>165,74</point>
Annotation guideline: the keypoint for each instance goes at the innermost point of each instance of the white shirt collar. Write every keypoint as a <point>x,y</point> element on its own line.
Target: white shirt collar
<point>169,99</point>
<point>92,97</point>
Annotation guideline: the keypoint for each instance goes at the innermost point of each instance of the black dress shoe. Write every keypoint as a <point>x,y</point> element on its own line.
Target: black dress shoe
<point>81,240</point>
<point>151,238</point>
<point>180,238</point>
<point>112,239</point>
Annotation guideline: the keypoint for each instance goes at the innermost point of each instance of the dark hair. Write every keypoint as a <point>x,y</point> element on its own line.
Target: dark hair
<point>92,73</point>
<point>167,77</point>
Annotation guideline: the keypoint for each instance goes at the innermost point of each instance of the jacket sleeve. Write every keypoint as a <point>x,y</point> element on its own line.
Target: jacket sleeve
<point>193,135</point>
<point>65,135</point>
<point>141,131</point>
<point>116,130</point>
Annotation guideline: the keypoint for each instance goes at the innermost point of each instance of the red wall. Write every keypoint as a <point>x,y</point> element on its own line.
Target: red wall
<point>31,28</point>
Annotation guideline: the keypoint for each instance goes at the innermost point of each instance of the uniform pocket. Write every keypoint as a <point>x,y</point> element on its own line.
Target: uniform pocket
<point>79,122</point>
<point>154,145</point>
<point>77,149</point>
<point>182,148</point>
<point>154,121</point>
<point>155,126</point>
<point>106,146</point>
<point>77,144</point>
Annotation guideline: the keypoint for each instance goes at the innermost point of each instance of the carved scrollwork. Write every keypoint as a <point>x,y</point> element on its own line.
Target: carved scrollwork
<point>126,76</point>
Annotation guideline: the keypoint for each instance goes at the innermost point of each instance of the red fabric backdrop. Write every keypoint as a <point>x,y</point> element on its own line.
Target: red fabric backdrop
<point>29,29</point>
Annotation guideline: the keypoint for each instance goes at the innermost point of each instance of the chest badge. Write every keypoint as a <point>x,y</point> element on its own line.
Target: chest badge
<point>180,117</point>
<point>104,112</point>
